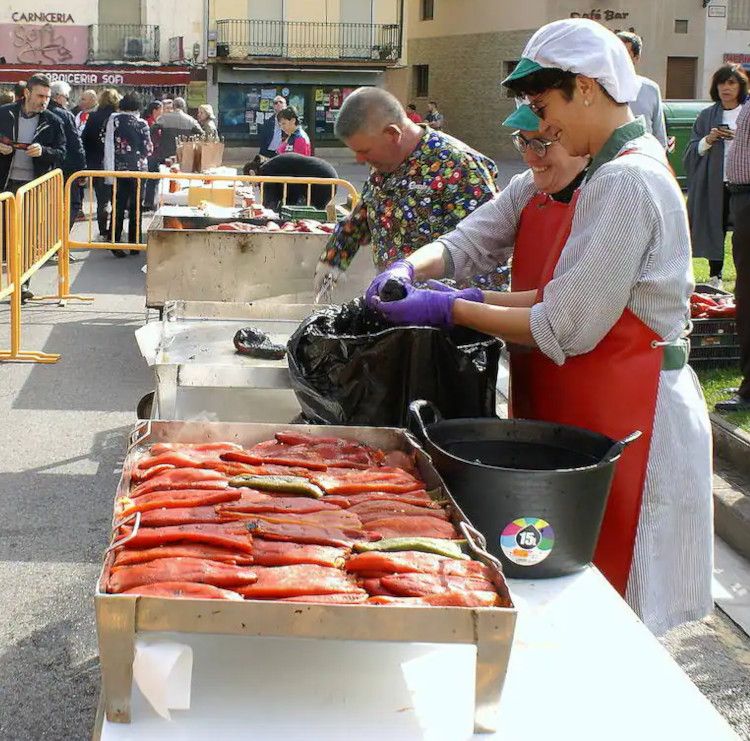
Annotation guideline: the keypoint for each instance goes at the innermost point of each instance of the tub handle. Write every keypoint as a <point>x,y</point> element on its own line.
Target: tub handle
<point>478,543</point>
<point>619,446</point>
<point>422,414</point>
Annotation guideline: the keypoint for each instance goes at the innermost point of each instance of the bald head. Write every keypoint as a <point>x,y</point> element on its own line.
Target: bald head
<point>368,110</point>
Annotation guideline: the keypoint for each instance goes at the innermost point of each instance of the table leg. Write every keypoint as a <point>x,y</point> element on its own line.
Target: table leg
<point>494,640</point>
<point>115,622</point>
<point>166,391</point>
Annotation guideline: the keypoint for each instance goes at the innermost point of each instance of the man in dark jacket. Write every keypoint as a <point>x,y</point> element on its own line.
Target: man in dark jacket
<point>32,141</point>
<point>270,132</point>
<point>171,125</point>
<point>75,159</point>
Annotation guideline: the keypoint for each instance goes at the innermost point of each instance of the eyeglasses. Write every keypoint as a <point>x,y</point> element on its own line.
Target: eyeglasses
<point>537,146</point>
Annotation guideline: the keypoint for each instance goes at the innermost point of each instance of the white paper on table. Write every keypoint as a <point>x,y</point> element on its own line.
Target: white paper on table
<point>163,672</point>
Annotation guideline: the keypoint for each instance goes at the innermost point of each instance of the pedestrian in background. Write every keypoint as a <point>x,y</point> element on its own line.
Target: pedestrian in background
<point>270,132</point>
<point>75,159</point>
<point>648,103</point>
<point>411,113</point>
<point>151,115</point>
<point>297,139</point>
<point>705,167</point>
<point>207,119</point>
<point>170,126</point>
<point>18,91</point>
<point>93,146</point>
<point>86,105</point>
<point>127,147</point>
<point>29,123</point>
<point>434,118</point>
<point>738,184</point>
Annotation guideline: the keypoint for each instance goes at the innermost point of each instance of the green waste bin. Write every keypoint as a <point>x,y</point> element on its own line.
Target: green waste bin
<point>680,116</point>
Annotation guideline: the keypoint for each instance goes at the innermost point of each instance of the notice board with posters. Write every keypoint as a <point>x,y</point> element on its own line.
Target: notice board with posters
<point>243,109</point>
<point>328,102</point>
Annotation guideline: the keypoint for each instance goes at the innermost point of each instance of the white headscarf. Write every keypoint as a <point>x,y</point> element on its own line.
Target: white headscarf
<point>584,47</point>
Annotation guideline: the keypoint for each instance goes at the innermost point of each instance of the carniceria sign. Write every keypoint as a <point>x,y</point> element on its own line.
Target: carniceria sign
<point>17,17</point>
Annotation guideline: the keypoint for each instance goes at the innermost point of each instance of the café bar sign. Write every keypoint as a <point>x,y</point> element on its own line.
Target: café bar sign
<point>17,17</point>
<point>597,14</point>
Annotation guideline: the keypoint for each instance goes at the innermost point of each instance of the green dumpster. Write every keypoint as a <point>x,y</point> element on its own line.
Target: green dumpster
<point>680,116</point>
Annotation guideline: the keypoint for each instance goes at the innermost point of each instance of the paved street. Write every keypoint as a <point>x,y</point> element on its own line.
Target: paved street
<point>63,429</point>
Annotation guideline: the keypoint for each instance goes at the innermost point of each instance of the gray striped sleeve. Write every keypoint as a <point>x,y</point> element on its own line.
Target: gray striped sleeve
<point>485,238</point>
<point>615,228</point>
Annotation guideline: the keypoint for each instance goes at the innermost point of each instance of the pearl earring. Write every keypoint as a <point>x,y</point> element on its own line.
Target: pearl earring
<point>587,103</point>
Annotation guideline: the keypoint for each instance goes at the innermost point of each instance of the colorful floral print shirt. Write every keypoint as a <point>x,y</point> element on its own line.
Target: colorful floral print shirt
<point>442,181</point>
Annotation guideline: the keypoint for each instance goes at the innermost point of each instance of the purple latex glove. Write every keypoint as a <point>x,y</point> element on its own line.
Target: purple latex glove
<point>467,294</point>
<point>401,270</point>
<point>425,307</point>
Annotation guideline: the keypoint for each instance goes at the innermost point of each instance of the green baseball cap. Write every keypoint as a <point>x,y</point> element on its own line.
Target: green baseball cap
<point>522,69</point>
<point>523,118</point>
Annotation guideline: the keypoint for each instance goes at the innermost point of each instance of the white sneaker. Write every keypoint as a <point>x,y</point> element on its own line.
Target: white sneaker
<point>715,282</point>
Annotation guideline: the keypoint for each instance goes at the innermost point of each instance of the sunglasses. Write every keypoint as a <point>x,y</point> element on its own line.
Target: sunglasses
<point>537,146</point>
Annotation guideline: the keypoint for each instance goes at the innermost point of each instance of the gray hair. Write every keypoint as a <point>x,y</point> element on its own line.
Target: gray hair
<point>368,109</point>
<point>179,104</point>
<point>60,87</point>
<point>635,41</point>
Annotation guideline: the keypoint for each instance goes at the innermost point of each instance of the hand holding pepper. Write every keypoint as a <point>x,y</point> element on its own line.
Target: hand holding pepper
<point>432,307</point>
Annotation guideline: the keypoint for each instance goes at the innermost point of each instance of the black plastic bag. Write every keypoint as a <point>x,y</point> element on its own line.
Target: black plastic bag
<point>349,366</point>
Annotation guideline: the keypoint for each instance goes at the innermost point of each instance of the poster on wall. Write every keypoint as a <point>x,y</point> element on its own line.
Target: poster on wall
<point>252,129</point>
<point>268,93</point>
<point>252,99</point>
<point>249,117</point>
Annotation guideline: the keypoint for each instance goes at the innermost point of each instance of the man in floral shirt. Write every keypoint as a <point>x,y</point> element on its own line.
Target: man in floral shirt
<point>423,182</point>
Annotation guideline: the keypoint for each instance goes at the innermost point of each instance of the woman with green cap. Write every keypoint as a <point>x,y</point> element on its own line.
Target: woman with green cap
<point>601,331</point>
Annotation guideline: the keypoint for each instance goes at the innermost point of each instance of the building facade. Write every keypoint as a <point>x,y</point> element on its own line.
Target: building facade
<point>313,52</point>
<point>155,47</point>
<point>457,52</point>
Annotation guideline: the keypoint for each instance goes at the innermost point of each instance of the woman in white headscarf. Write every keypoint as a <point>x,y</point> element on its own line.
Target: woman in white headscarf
<point>601,334</point>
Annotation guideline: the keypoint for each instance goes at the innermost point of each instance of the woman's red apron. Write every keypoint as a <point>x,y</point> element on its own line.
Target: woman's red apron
<point>611,390</point>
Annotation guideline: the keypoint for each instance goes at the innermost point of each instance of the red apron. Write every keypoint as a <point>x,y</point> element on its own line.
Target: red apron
<point>611,390</point>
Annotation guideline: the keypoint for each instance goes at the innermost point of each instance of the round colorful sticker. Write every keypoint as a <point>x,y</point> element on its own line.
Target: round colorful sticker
<point>527,541</point>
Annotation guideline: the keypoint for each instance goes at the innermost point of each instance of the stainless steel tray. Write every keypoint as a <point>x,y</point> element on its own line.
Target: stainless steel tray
<point>191,352</point>
<point>120,617</point>
<point>199,265</point>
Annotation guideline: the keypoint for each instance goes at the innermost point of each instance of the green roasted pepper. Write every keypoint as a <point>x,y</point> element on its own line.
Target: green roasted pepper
<point>438,546</point>
<point>286,484</point>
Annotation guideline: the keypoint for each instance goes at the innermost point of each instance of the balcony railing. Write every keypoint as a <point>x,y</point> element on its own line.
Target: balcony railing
<point>308,40</point>
<point>129,42</point>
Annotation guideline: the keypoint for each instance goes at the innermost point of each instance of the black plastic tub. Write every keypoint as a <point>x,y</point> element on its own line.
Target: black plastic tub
<point>536,491</point>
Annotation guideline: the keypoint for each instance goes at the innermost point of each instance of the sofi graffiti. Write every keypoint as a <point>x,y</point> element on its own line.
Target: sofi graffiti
<point>46,44</point>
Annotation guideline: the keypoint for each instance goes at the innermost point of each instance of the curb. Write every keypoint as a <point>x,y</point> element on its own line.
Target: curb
<point>732,507</point>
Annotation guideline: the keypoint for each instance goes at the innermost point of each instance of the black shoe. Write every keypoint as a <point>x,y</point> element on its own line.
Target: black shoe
<point>26,295</point>
<point>118,253</point>
<point>134,252</point>
<point>735,404</point>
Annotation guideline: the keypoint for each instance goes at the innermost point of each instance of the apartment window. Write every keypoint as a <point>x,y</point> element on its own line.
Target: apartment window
<point>422,80</point>
<point>738,16</point>
<point>680,26</point>
<point>509,67</point>
<point>428,10</point>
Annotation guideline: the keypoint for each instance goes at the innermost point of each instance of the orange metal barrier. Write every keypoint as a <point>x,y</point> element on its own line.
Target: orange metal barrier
<point>32,231</point>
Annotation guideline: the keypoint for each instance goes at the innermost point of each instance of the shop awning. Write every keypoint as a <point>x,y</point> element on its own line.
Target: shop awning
<point>100,75</point>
